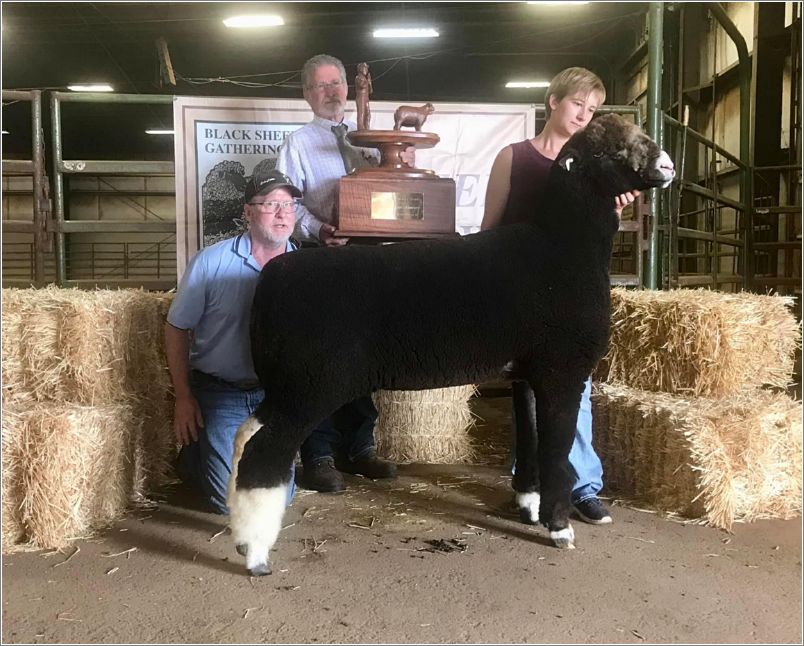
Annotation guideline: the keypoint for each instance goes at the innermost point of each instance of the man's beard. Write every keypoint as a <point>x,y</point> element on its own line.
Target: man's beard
<point>275,237</point>
<point>333,109</point>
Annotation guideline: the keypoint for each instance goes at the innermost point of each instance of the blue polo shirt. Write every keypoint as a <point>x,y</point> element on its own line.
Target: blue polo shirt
<point>214,301</point>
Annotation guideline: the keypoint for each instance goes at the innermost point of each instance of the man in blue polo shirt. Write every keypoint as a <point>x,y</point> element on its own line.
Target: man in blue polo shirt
<point>207,337</point>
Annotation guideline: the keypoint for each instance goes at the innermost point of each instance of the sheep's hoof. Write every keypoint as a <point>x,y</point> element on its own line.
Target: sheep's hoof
<point>242,549</point>
<point>261,569</point>
<point>528,504</point>
<point>564,538</point>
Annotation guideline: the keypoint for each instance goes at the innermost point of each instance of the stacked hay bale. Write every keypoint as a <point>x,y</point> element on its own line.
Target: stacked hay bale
<point>87,409</point>
<point>428,426</point>
<point>684,420</point>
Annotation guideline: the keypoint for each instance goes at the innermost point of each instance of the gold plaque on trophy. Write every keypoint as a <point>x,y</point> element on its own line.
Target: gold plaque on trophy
<point>396,206</point>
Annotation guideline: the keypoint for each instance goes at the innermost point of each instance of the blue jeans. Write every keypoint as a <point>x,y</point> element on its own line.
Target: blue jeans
<point>582,456</point>
<point>349,432</point>
<point>207,463</point>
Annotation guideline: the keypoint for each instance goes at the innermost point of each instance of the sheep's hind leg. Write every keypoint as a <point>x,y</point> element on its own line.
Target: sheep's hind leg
<point>557,404</point>
<point>265,447</point>
<point>526,471</point>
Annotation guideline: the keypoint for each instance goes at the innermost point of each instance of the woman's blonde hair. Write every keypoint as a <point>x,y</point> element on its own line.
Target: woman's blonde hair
<point>570,81</point>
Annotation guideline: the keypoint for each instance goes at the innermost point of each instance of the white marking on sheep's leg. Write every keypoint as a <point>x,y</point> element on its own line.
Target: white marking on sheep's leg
<point>244,434</point>
<point>255,519</point>
<point>255,515</point>
<point>564,538</point>
<point>528,504</point>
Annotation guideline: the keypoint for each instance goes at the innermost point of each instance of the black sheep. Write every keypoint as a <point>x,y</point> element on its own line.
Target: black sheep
<point>528,302</point>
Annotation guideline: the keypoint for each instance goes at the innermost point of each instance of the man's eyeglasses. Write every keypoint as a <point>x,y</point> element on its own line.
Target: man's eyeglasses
<point>272,206</point>
<point>320,87</point>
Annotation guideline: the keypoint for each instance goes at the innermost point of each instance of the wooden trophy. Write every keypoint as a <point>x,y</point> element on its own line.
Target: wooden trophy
<point>394,199</point>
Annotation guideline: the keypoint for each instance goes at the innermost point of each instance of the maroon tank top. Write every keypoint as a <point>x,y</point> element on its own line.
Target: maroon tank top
<point>529,171</point>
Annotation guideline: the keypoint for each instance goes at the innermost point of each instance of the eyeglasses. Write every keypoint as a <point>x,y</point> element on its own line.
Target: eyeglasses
<point>272,206</point>
<point>320,87</point>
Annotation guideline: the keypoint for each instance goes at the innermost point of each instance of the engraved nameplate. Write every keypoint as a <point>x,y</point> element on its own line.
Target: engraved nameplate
<point>397,206</point>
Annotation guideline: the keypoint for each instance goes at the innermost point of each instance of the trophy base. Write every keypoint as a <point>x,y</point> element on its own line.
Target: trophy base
<point>373,204</point>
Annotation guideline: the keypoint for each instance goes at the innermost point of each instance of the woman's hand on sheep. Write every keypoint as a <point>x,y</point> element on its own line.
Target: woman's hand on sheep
<point>327,235</point>
<point>621,201</point>
<point>187,419</point>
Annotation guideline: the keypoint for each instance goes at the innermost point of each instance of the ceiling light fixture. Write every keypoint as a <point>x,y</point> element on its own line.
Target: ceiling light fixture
<point>250,22</point>
<point>158,132</point>
<point>92,87</point>
<point>418,32</point>
<point>557,2</point>
<point>527,84</point>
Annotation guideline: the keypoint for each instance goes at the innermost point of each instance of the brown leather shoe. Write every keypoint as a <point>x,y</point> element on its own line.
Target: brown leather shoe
<point>369,465</point>
<point>322,476</point>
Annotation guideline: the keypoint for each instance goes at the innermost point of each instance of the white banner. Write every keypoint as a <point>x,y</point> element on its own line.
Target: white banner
<point>221,141</point>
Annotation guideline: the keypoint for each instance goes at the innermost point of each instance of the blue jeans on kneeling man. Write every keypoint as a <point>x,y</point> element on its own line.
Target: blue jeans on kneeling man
<point>207,463</point>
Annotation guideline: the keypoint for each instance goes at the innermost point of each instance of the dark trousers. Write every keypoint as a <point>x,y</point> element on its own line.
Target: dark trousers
<point>348,433</point>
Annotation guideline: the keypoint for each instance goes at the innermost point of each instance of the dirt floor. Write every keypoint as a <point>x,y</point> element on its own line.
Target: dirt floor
<point>435,556</point>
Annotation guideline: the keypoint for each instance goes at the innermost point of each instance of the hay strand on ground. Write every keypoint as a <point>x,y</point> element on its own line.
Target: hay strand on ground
<point>726,460</point>
<point>425,426</point>
<point>699,342</point>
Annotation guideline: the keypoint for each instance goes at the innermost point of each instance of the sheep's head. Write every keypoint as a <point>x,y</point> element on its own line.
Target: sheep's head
<point>618,155</point>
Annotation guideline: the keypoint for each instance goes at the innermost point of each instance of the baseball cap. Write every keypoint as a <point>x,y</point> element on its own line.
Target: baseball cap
<point>269,182</point>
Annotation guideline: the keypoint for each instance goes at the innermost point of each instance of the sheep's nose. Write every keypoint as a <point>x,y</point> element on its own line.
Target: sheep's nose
<point>665,163</point>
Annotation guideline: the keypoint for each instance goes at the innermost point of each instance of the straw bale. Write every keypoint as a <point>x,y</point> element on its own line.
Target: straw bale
<point>720,460</point>
<point>32,363</point>
<point>69,467</point>
<point>13,530</point>
<point>154,449</point>
<point>429,426</point>
<point>75,469</point>
<point>111,341</point>
<point>699,342</point>
<point>85,347</point>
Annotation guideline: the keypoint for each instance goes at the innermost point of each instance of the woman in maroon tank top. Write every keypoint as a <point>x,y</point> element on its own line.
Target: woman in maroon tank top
<point>520,170</point>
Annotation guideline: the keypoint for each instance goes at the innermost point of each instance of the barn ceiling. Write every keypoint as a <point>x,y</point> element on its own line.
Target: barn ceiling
<point>481,45</point>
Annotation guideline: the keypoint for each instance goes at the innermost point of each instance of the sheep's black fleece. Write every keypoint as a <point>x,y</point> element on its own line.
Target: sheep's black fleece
<point>528,302</point>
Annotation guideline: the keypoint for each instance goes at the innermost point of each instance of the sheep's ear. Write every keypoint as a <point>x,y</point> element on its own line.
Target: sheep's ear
<point>566,161</point>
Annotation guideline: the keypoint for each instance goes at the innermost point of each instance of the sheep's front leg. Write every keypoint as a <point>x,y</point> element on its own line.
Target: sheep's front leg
<point>257,492</point>
<point>526,470</point>
<point>557,403</point>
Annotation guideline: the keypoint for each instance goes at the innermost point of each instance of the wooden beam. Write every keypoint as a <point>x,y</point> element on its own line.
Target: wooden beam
<point>164,61</point>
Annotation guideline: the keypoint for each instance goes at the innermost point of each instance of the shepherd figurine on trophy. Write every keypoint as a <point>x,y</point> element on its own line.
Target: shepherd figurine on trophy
<point>394,199</point>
